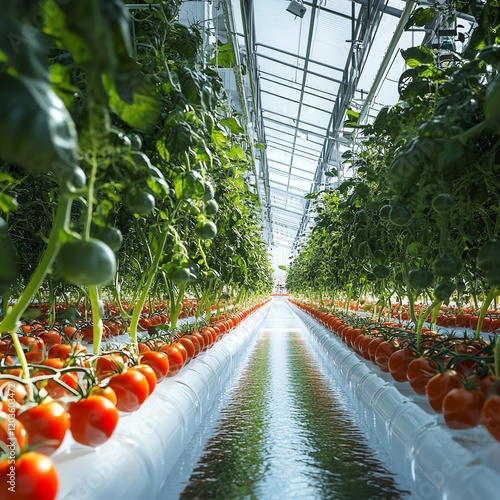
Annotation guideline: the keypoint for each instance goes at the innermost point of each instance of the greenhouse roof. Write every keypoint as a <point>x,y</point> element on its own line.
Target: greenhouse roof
<point>305,73</point>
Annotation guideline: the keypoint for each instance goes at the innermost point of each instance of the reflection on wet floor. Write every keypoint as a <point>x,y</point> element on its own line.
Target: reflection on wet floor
<point>284,433</point>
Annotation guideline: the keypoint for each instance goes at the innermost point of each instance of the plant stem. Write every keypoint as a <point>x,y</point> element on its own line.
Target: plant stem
<point>145,290</point>
<point>11,321</point>
<point>421,319</point>
<point>484,308</point>
<point>97,314</point>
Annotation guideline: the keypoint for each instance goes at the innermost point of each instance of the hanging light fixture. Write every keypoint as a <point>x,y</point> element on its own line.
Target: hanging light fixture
<point>296,8</point>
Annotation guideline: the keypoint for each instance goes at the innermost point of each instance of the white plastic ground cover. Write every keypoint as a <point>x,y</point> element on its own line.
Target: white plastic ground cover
<point>438,462</point>
<point>147,443</point>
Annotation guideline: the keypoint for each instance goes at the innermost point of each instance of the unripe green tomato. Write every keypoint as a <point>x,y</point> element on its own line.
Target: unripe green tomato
<point>400,215</point>
<point>488,256</point>
<point>140,203</point>
<point>443,203</point>
<point>211,207</point>
<point>206,230</point>
<point>86,262</point>
<point>420,278</point>
<point>447,266</point>
<point>112,236</point>
<point>443,291</point>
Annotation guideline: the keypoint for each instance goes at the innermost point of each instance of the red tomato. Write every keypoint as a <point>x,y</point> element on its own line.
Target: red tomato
<point>65,351</point>
<point>419,372</point>
<point>131,388</point>
<point>196,342</point>
<point>92,420</point>
<point>50,337</point>
<point>491,416</point>
<point>201,340</point>
<point>188,346</point>
<point>158,361</point>
<point>440,385</point>
<point>462,408</point>
<point>105,392</point>
<point>35,477</point>
<point>108,364</point>
<point>150,375</point>
<point>182,350</point>
<point>373,346</point>
<point>33,347</point>
<point>382,354</point>
<point>12,432</point>
<point>398,363</point>
<point>46,424</point>
<point>175,359</point>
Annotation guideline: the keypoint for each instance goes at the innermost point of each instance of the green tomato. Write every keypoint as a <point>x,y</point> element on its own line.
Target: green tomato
<point>488,257</point>
<point>443,291</point>
<point>443,203</point>
<point>400,215</point>
<point>420,278</point>
<point>209,191</point>
<point>206,230</point>
<point>86,262</point>
<point>140,203</point>
<point>381,272</point>
<point>211,207</point>
<point>112,236</point>
<point>447,266</point>
<point>384,212</point>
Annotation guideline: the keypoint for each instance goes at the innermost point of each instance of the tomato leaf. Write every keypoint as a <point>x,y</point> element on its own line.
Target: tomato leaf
<point>233,125</point>
<point>144,111</point>
<point>420,17</point>
<point>416,56</point>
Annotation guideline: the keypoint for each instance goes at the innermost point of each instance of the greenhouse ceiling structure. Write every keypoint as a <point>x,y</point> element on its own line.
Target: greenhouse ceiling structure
<point>299,67</point>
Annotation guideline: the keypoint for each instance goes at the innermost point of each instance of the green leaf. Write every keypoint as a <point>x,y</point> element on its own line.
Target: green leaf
<point>219,136</point>
<point>224,57</point>
<point>352,115</point>
<point>417,56</point>
<point>144,111</point>
<point>235,152</point>
<point>8,203</point>
<point>178,138</point>
<point>259,145</point>
<point>162,150</point>
<point>233,125</point>
<point>420,17</point>
<point>5,177</point>
<point>283,268</point>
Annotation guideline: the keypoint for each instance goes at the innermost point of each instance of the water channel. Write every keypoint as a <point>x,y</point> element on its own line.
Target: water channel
<point>284,429</point>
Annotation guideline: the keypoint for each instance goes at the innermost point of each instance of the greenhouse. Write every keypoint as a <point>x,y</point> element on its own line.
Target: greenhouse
<point>249,249</point>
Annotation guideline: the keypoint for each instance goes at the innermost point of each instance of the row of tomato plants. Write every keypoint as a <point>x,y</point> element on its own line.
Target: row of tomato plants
<point>447,316</point>
<point>458,374</point>
<point>72,391</point>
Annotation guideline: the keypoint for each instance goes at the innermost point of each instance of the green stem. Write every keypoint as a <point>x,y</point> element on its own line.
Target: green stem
<point>178,305</point>
<point>145,290</point>
<point>11,321</point>
<point>484,308</point>
<point>97,315</point>
<point>421,319</point>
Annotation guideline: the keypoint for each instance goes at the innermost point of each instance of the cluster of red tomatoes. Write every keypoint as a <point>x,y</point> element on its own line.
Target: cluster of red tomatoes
<point>73,392</point>
<point>455,374</point>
